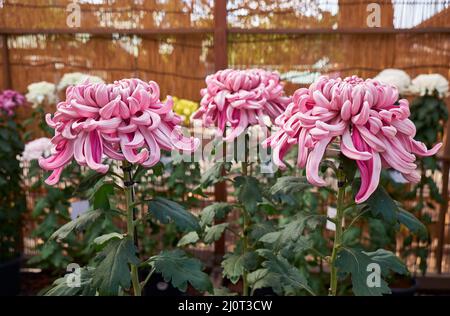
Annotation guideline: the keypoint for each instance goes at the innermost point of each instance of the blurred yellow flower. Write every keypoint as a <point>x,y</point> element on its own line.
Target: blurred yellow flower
<point>184,108</point>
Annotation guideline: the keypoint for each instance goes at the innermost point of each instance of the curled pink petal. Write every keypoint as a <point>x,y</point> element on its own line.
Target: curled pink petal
<point>124,120</point>
<point>240,98</point>
<point>374,130</point>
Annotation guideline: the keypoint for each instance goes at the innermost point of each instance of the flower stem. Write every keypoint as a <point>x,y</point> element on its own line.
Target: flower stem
<point>246,223</point>
<point>131,229</point>
<point>338,235</point>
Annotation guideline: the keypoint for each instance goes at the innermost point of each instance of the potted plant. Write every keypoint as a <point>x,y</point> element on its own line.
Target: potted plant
<point>12,198</point>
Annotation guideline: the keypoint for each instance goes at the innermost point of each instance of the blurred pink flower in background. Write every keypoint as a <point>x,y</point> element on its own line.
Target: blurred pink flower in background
<point>373,127</point>
<point>10,100</point>
<point>123,121</point>
<point>240,98</point>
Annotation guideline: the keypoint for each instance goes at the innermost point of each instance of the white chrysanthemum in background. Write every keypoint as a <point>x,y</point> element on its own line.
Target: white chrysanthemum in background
<point>395,77</point>
<point>427,84</point>
<point>37,148</point>
<point>40,92</point>
<point>74,78</point>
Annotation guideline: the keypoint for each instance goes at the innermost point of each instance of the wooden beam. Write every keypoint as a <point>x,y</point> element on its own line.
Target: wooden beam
<point>220,29</point>
<point>355,31</point>
<point>220,62</point>
<point>220,35</point>
<point>7,80</point>
<point>106,31</point>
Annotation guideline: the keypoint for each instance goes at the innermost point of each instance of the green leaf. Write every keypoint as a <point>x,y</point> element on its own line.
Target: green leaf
<point>100,240</point>
<point>234,264</point>
<point>113,270</point>
<point>289,185</point>
<point>409,220</point>
<point>248,192</point>
<point>381,203</point>
<point>39,207</point>
<point>77,224</point>
<point>61,286</point>
<point>179,269</point>
<point>224,291</point>
<point>189,238</point>
<point>291,231</point>
<point>214,211</point>
<point>167,211</point>
<point>89,180</point>
<point>281,268</point>
<point>214,174</point>
<point>349,166</point>
<point>100,195</point>
<point>214,233</point>
<point>262,278</point>
<point>357,263</point>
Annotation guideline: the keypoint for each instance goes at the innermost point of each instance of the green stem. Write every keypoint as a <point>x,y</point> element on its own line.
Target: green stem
<point>131,229</point>
<point>246,223</point>
<point>338,235</point>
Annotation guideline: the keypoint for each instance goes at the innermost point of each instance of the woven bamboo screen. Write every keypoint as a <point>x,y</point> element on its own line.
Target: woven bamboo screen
<point>338,54</point>
<point>121,14</point>
<point>178,63</point>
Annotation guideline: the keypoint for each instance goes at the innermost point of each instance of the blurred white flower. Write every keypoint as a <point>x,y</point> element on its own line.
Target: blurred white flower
<point>37,148</point>
<point>427,84</point>
<point>395,77</point>
<point>40,92</point>
<point>75,78</point>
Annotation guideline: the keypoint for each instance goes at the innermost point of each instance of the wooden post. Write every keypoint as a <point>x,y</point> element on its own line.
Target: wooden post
<point>7,81</point>
<point>442,213</point>
<point>444,206</point>
<point>220,62</point>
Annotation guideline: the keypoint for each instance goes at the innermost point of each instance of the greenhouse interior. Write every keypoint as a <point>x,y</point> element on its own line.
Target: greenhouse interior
<point>246,148</point>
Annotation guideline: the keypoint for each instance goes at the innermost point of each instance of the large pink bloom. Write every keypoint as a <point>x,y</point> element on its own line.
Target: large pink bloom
<point>372,125</point>
<point>10,100</point>
<point>240,98</point>
<point>124,121</point>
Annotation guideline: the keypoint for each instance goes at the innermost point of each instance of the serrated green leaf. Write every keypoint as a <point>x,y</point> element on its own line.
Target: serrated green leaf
<point>100,195</point>
<point>214,211</point>
<point>248,192</point>
<point>292,230</point>
<point>357,263</point>
<point>179,269</point>
<point>167,211</point>
<point>411,222</point>
<point>263,278</point>
<point>61,286</point>
<point>214,174</point>
<point>89,180</point>
<point>100,240</point>
<point>213,233</point>
<point>288,274</point>
<point>380,203</point>
<point>234,264</point>
<point>224,291</point>
<point>289,185</point>
<point>113,270</point>
<point>77,224</point>
<point>189,238</point>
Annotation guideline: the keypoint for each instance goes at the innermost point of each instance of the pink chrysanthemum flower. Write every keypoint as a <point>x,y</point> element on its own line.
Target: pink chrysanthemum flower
<point>123,121</point>
<point>373,128</point>
<point>240,98</point>
<point>10,100</point>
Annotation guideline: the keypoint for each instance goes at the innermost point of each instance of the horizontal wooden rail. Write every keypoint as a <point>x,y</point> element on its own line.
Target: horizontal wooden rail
<point>367,30</point>
<point>105,31</point>
<point>187,30</point>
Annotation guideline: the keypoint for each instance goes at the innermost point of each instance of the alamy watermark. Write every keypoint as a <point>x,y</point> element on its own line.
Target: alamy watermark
<point>73,277</point>
<point>74,14</point>
<point>374,15</point>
